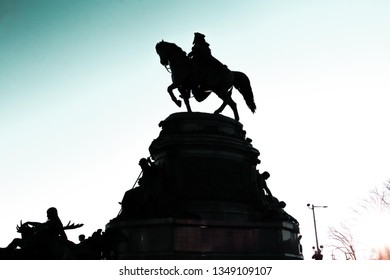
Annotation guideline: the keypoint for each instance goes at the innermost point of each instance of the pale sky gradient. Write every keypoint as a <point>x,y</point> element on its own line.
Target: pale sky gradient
<point>82,93</point>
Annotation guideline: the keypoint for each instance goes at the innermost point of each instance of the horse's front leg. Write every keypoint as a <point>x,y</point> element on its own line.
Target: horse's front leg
<point>186,94</point>
<point>173,97</point>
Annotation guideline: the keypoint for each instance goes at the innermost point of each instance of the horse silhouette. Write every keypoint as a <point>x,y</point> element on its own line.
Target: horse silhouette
<point>217,78</point>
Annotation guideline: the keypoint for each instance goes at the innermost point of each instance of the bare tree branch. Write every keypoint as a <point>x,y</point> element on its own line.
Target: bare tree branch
<point>343,241</point>
<point>377,203</point>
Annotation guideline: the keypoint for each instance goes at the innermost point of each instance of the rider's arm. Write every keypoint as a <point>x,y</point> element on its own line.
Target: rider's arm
<point>34,223</point>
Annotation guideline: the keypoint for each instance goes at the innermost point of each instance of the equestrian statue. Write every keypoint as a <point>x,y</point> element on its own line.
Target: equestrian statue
<point>200,73</point>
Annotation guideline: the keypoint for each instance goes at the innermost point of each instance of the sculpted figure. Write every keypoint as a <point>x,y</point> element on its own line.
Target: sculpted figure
<point>45,240</point>
<point>135,201</point>
<point>200,73</point>
<point>271,207</point>
<point>53,227</point>
<point>200,59</point>
<point>200,46</point>
<point>147,169</point>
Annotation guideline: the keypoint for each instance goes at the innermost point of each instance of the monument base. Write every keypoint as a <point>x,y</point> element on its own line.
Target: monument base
<point>201,196</point>
<point>171,238</point>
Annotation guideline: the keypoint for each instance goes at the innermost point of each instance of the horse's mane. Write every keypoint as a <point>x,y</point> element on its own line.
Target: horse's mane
<point>175,47</point>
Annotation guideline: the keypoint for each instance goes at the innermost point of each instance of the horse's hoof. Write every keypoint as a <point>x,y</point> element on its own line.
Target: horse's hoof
<point>178,103</point>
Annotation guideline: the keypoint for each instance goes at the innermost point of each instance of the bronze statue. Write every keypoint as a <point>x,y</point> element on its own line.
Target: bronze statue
<point>200,73</point>
<point>271,207</point>
<point>139,201</point>
<point>46,240</point>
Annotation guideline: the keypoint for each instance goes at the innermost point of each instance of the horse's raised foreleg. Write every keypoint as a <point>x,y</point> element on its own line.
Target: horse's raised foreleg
<point>173,97</point>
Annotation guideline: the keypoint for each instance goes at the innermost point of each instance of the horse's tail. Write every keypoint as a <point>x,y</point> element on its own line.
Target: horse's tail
<point>243,85</point>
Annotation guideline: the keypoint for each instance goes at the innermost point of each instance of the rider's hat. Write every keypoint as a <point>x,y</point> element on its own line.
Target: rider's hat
<point>199,38</point>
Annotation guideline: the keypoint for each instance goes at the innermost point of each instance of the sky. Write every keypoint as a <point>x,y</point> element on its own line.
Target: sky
<point>82,92</point>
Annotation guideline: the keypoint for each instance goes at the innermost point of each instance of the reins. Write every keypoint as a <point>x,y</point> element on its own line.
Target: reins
<point>168,68</point>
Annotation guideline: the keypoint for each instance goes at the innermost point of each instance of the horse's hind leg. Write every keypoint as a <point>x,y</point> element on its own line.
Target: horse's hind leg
<point>227,100</point>
<point>233,105</point>
<point>225,97</point>
<point>220,109</point>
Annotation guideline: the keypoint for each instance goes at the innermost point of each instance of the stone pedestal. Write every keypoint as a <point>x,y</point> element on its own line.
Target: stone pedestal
<point>204,239</point>
<point>202,199</point>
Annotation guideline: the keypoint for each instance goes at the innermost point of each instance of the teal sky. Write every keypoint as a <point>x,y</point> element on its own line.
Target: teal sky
<point>82,93</point>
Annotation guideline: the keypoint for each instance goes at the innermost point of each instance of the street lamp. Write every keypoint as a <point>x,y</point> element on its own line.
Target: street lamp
<point>317,255</point>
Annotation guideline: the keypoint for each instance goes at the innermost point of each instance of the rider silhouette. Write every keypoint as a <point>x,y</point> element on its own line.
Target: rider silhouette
<point>200,46</point>
<point>200,56</point>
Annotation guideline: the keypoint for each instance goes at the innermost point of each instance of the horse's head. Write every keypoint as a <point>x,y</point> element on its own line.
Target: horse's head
<point>163,52</point>
<point>170,53</point>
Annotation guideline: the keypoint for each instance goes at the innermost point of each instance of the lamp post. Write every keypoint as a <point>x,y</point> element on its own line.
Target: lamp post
<point>317,255</point>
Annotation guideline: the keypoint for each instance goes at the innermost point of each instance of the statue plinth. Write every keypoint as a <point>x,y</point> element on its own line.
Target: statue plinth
<point>208,163</point>
<point>203,199</point>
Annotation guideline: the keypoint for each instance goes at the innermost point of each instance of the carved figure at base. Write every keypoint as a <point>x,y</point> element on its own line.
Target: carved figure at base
<point>265,193</point>
<point>93,247</point>
<point>270,206</point>
<point>46,240</point>
<point>149,169</point>
<point>148,198</point>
